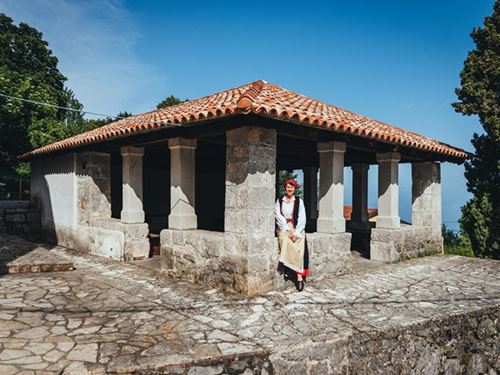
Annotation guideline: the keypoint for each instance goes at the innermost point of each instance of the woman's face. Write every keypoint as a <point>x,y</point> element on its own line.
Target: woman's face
<point>290,190</point>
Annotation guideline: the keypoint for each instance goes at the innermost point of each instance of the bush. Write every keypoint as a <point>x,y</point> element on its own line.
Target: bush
<point>456,243</point>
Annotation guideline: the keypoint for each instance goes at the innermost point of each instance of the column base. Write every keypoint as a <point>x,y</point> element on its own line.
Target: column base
<point>182,222</point>
<point>132,217</point>
<point>331,225</point>
<point>388,222</point>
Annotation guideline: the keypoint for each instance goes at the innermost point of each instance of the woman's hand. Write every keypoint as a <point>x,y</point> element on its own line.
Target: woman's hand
<point>290,234</point>
<point>294,238</point>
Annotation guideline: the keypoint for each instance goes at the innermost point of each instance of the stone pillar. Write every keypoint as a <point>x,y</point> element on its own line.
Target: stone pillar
<point>249,221</point>
<point>426,195</point>
<point>182,184</point>
<point>331,186</point>
<point>132,209</point>
<point>93,187</point>
<point>311,192</point>
<point>360,194</point>
<point>388,190</point>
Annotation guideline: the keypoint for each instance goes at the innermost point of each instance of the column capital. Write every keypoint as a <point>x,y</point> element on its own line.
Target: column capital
<point>332,147</point>
<point>179,142</point>
<point>132,150</point>
<point>388,156</point>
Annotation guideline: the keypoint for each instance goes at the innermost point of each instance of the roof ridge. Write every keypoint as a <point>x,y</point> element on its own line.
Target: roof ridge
<point>245,102</point>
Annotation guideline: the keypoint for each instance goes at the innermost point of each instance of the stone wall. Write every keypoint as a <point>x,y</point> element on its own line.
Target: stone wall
<point>392,245</point>
<point>17,217</point>
<point>93,187</point>
<point>136,242</point>
<point>329,254</point>
<point>458,344</point>
<point>210,258</point>
<point>72,192</point>
<point>53,192</point>
<point>197,255</point>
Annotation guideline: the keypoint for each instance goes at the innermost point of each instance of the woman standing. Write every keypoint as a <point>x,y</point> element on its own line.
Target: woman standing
<point>290,224</point>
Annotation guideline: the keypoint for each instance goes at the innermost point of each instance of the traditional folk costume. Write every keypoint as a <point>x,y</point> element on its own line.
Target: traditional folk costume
<point>291,216</point>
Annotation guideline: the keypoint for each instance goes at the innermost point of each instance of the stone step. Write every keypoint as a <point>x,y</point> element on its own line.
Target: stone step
<point>20,256</point>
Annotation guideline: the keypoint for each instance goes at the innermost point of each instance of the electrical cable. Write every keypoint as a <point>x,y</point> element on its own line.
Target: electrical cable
<point>82,111</point>
<point>58,106</point>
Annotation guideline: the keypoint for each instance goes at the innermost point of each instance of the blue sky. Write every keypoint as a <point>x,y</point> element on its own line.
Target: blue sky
<point>395,61</point>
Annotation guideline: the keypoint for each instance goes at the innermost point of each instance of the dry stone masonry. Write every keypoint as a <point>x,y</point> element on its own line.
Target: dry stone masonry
<point>19,218</point>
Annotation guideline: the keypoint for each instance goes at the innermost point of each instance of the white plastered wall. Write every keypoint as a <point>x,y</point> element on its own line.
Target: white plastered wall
<point>54,189</point>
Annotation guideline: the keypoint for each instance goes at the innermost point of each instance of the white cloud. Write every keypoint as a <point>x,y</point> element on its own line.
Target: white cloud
<point>95,43</point>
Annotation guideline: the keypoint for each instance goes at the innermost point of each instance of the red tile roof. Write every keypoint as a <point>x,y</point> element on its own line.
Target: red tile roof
<point>259,98</point>
<point>372,212</point>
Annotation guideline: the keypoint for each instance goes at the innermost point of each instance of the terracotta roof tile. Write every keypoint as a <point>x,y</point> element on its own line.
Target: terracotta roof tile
<point>259,98</point>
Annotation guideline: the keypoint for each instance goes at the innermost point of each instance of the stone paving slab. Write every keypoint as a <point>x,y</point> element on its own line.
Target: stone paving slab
<point>20,256</point>
<point>109,317</point>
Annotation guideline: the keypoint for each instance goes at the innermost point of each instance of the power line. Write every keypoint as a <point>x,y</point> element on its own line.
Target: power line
<point>161,122</point>
<point>58,106</point>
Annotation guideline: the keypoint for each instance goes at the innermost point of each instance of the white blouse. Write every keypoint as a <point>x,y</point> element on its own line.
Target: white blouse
<point>288,214</point>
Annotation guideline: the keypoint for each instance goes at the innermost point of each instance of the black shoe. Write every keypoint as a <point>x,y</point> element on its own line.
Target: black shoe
<point>300,285</point>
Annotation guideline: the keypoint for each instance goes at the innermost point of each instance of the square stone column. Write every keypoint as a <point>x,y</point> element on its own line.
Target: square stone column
<point>388,190</point>
<point>132,209</point>
<point>331,187</point>
<point>360,194</point>
<point>249,223</point>
<point>93,187</point>
<point>426,195</point>
<point>182,184</point>
<point>311,192</point>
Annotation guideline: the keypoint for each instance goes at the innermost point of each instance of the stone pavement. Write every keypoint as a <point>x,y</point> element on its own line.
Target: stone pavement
<point>20,256</point>
<point>427,315</point>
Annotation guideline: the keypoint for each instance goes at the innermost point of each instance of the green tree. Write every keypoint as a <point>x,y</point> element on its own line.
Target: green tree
<point>456,243</point>
<point>28,69</point>
<point>479,95</point>
<point>169,101</point>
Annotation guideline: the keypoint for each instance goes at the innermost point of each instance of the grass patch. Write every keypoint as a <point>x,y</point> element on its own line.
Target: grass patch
<point>422,254</point>
<point>459,250</point>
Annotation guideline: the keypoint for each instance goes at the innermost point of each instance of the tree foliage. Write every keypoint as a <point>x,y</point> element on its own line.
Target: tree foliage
<point>28,70</point>
<point>169,101</point>
<point>479,95</point>
<point>456,243</point>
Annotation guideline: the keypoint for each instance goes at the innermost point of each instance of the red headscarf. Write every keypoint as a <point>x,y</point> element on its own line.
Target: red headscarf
<point>291,182</point>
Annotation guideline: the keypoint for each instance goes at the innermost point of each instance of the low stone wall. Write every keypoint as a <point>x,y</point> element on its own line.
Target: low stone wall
<point>392,245</point>
<point>198,255</point>
<point>329,254</point>
<point>136,244</point>
<point>215,258</point>
<point>459,344</point>
<point>226,261</point>
<point>92,240</point>
<point>17,217</point>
